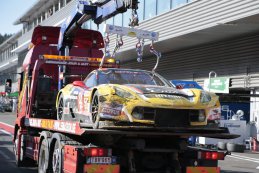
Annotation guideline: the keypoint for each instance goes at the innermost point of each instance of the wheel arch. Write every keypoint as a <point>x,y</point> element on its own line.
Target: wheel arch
<point>92,94</point>
<point>58,95</point>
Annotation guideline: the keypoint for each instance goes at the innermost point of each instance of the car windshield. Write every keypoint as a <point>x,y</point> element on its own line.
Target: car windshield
<point>112,76</point>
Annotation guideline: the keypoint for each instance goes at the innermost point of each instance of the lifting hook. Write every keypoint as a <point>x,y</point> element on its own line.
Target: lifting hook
<point>118,44</point>
<point>158,56</point>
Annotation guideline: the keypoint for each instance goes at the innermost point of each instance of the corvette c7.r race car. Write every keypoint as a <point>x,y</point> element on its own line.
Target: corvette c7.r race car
<point>130,97</point>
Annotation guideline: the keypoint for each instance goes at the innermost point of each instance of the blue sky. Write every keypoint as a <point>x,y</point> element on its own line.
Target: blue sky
<point>10,10</point>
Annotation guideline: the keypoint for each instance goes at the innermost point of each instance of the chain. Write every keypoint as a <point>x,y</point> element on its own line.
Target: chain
<point>155,52</point>
<point>106,50</point>
<point>134,18</point>
<point>107,46</point>
<point>139,49</point>
<point>118,44</point>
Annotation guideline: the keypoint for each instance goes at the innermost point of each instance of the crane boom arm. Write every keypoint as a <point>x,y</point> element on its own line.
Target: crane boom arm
<point>97,10</point>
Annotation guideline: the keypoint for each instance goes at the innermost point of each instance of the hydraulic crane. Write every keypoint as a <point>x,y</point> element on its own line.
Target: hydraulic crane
<point>99,11</point>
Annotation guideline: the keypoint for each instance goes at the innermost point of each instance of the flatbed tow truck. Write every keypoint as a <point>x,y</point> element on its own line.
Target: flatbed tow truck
<point>69,146</point>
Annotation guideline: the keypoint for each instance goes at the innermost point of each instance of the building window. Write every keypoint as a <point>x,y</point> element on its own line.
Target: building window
<point>87,25</point>
<point>56,7</point>
<point>42,16</point>
<point>101,27</point>
<point>93,26</point>
<point>62,3</point>
<point>126,17</point>
<point>178,3</point>
<point>163,6</point>
<point>118,20</point>
<point>141,10</point>
<point>109,21</point>
<point>150,9</point>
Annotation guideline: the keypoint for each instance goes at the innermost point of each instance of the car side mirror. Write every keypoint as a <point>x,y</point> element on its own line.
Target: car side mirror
<point>80,84</point>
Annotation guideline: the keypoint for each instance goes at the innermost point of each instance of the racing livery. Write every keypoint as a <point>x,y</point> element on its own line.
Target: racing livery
<point>130,97</point>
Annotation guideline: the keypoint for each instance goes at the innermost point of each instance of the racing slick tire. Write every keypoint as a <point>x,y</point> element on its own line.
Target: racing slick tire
<point>60,108</point>
<point>95,110</point>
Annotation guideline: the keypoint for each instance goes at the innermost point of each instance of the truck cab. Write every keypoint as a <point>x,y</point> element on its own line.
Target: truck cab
<point>40,75</point>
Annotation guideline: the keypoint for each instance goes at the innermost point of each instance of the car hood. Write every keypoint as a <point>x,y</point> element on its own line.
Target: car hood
<point>158,90</point>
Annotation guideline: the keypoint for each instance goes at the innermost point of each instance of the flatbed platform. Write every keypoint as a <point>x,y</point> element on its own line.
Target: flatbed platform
<point>76,128</point>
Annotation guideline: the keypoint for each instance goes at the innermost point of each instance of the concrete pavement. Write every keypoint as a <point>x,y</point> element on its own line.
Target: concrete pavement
<point>247,162</point>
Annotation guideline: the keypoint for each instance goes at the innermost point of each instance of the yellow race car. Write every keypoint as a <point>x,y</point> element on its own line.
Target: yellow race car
<point>130,97</point>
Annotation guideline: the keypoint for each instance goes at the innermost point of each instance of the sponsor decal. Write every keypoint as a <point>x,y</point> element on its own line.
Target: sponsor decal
<point>163,96</point>
<point>231,125</point>
<point>161,90</point>
<point>80,102</point>
<point>76,91</point>
<point>214,114</point>
<point>66,110</point>
<point>67,63</point>
<point>112,109</point>
<point>64,126</point>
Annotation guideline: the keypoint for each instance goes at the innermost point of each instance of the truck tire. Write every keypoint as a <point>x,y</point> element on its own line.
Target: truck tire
<point>56,154</point>
<point>43,157</point>
<point>21,161</point>
<point>18,160</point>
<point>232,147</point>
<point>95,110</point>
<point>222,145</point>
<point>60,108</point>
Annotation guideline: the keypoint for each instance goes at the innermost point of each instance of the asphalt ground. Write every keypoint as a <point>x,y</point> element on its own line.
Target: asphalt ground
<point>247,162</point>
<point>7,159</point>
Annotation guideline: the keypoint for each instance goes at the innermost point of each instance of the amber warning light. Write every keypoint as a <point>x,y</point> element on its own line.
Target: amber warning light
<point>76,58</point>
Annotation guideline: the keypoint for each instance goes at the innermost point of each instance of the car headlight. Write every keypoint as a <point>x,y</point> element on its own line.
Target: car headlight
<point>123,93</point>
<point>205,97</point>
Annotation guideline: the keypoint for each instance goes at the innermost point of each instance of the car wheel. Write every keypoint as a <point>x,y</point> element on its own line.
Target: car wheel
<point>60,109</point>
<point>95,111</point>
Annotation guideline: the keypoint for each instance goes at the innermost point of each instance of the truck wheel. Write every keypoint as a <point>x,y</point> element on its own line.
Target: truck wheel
<point>57,158</point>
<point>60,109</point>
<point>18,160</point>
<point>21,160</point>
<point>95,111</point>
<point>43,157</point>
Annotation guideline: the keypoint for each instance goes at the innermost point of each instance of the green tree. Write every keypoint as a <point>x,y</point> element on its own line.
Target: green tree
<point>4,37</point>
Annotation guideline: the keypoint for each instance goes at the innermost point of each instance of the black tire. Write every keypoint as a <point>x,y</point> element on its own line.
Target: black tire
<point>18,160</point>
<point>57,158</point>
<point>60,108</point>
<point>235,147</point>
<point>21,161</point>
<point>43,157</point>
<point>95,110</point>
<point>222,145</point>
<point>232,147</point>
